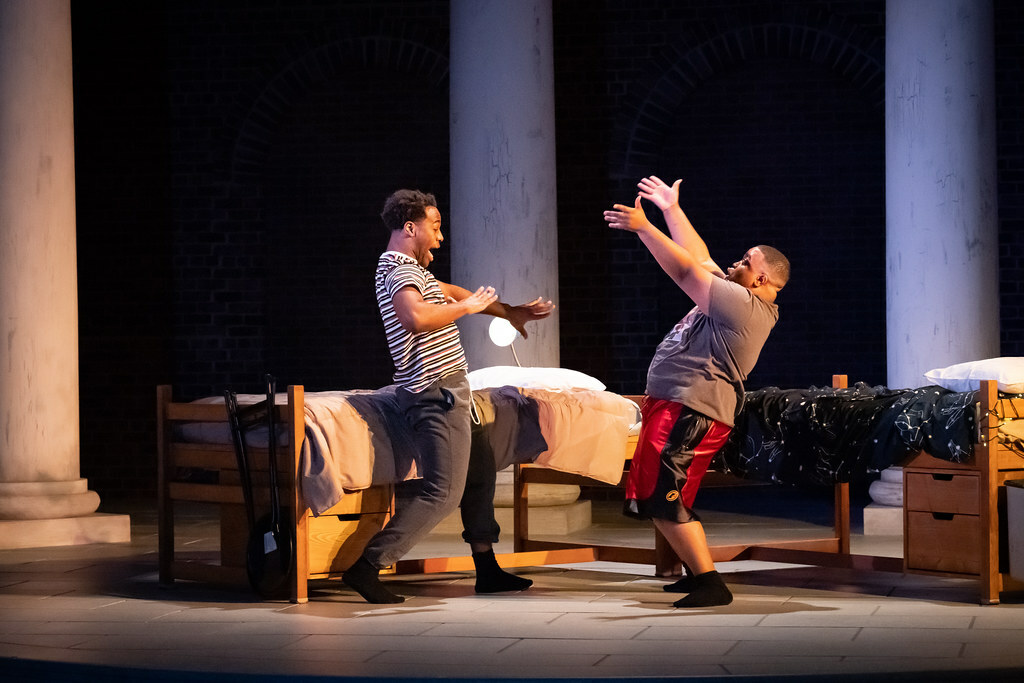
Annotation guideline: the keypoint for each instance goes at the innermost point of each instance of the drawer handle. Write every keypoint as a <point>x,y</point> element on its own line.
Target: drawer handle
<point>350,516</point>
<point>943,516</point>
<point>942,477</point>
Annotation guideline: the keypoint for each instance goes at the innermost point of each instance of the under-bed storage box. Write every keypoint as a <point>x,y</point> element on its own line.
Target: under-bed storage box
<point>336,538</point>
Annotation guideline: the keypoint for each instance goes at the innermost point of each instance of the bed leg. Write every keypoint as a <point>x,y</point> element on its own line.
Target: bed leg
<point>990,579</point>
<point>842,517</point>
<point>841,523</point>
<point>300,513</point>
<point>300,580</point>
<point>165,506</point>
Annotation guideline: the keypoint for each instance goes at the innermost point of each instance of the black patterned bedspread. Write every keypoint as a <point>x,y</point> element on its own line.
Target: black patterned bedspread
<point>822,436</point>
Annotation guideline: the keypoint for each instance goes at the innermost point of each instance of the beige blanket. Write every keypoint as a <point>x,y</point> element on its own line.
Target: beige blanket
<point>585,432</point>
<point>354,440</point>
<point>358,439</point>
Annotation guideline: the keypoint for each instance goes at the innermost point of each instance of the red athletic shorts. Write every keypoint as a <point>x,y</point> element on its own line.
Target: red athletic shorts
<point>673,452</point>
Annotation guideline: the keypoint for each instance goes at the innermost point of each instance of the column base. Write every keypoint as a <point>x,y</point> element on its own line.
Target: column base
<point>40,533</point>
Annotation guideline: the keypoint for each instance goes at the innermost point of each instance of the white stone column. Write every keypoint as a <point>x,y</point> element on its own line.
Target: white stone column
<point>43,500</point>
<point>941,219</point>
<point>503,224</point>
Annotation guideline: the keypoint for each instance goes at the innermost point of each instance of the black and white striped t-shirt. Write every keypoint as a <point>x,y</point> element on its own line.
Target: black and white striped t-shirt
<point>420,359</point>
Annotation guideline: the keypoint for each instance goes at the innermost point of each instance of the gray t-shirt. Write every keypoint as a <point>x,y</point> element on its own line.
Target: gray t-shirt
<point>705,359</point>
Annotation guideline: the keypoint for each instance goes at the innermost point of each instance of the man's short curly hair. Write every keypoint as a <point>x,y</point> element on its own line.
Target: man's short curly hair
<point>405,205</point>
<point>778,265</point>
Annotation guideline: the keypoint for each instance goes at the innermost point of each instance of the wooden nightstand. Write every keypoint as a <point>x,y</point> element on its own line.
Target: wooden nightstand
<point>952,511</point>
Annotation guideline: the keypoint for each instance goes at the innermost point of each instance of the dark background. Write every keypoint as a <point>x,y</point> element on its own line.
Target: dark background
<point>232,158</point>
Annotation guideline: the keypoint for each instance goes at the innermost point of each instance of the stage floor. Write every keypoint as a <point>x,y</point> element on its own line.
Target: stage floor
<point>98,610</point>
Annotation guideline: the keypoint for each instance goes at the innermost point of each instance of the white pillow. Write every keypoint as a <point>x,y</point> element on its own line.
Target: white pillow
<point>553,379</point>
<point>1008,373</point>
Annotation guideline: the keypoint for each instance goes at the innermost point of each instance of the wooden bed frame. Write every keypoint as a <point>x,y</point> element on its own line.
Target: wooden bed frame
<point>831,550</point>
<point>954,516</point>
<point>325,545</point>
<point>328,544</point>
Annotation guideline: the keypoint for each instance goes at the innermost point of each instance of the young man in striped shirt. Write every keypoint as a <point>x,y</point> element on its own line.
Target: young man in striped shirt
<point>419,314</point>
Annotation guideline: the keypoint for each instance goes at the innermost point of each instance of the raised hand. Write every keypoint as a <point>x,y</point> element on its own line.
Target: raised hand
<point>524,313</point>
<point>631,218</point>
<point>657,191</point>
<point>480,299</point>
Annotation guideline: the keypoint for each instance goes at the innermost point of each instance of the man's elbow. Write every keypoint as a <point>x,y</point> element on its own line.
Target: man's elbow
<point>412,325</point>
<point>712,267</point>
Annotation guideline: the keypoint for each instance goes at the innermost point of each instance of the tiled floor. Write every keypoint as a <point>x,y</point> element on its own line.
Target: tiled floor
<point>97,612</point>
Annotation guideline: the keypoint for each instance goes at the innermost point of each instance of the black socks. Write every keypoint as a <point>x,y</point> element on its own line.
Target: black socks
<point>708,590</point>
<point>362,577</point>
<point>704,590</point>
<point>490,578</point>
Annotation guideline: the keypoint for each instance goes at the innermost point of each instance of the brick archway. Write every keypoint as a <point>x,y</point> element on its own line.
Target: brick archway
<point>708,49</point>
<point>402,50</point>
<point>230,256</point>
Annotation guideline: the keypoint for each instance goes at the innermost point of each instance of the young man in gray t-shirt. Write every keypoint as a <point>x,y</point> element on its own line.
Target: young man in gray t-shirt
<point>695,381</point>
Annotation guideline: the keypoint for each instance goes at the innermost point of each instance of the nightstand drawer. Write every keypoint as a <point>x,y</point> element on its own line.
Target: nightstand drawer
<point>943,542</point>
<point>941,492</point>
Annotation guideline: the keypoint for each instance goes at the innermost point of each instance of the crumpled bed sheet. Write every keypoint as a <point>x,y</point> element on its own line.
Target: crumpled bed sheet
<point>357,439</point>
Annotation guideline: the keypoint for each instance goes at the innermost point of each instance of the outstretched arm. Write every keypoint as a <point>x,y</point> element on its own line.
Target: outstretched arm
<point>677,261</point>
<point>418,316</point>
<point>666,198</point>
<point>537,309</point>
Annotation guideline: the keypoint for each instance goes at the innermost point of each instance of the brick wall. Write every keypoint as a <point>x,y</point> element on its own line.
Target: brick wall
<point>293,123</point>
<point>123,197</point>
<point>771,112</point>
<point>232,158</point>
